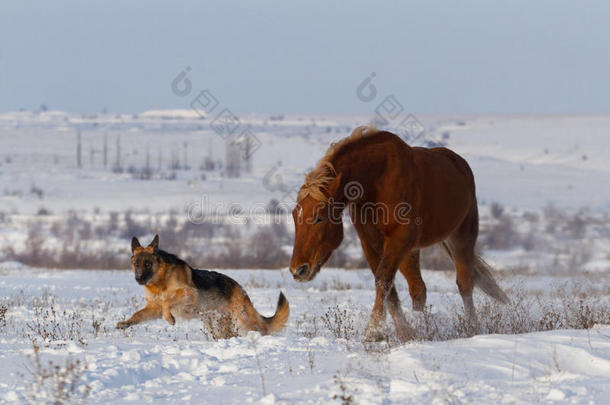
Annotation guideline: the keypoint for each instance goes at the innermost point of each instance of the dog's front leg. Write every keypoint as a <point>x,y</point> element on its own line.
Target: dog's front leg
<point>167,314</point>
<point>181,297</point>
<point>146,313</point>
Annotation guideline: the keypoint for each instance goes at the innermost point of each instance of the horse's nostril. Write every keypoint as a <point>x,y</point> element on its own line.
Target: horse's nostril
<point>301,270</point>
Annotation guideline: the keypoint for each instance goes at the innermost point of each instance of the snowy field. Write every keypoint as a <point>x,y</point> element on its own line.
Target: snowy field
<point>549,239</point>
<point>548,159</point>
<point>166,172</point>
<point>319,358</point>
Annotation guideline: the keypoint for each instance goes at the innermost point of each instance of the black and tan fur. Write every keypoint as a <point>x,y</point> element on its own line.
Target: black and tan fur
<point>175,289</point>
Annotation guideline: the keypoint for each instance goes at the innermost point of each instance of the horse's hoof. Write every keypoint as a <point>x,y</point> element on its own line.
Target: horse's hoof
<point>371,336</point>
<point>405,335</point>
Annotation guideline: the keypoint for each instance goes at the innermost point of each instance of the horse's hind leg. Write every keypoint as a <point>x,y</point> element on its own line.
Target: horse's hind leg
<point>462,244</point>
<point>465,283</point>
<point>417,288</point>
<point>403,329</point>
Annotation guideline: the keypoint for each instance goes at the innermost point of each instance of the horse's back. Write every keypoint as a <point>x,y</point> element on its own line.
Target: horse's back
<point>443,162</point>
<point>438,157</point>
<point>445,192</point>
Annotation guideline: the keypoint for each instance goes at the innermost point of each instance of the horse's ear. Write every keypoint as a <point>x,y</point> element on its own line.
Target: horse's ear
<point>155,243</point>
<point>334,185</point>
<point>135,243</point>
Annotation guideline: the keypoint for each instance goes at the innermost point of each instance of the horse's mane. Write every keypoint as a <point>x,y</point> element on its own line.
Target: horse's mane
<point>317,180</point>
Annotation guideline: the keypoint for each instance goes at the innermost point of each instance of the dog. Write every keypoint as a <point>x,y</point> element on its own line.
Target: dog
<point>175,289</point>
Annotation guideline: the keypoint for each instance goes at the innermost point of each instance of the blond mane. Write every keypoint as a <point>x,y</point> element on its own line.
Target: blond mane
<point>317,180</point>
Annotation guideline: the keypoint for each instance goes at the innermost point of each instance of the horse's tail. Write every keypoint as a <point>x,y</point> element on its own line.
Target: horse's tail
<point>485,281</point>
<point>483,277</point>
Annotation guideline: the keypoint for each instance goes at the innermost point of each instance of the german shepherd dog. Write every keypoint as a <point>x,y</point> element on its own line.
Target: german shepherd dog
<point>175,289</point>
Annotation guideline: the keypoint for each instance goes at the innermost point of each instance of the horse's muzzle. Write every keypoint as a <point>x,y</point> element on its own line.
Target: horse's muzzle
<point>301,273</point>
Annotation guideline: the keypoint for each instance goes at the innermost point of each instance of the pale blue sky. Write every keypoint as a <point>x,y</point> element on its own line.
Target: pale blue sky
<point>307,56</point>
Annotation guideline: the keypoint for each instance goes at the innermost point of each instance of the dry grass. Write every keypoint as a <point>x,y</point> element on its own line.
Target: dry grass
<point>51,327</point>
<point>307,326</point>
<point>335,284</point>
<point>82,241</point>
<point>340,323</point>
<point>3,311</point>
<point>48,324</point>
<point>52,383</point>
<point>98,240</point>
<point>344,397</point>
<point>219,325</point>
<point>526,313</point>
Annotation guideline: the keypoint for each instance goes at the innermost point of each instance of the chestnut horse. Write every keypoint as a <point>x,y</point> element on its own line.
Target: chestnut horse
<point>400,199</point>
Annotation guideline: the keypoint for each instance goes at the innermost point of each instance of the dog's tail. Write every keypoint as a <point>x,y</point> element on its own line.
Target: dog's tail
<point>276,322</point>
<point>483,277</point>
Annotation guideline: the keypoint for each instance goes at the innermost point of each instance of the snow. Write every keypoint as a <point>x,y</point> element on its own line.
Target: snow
<point>597,265</point>
<point>158,363</point>
<point>560,159</point>
<point>524,162</point>
<point>171,114</point>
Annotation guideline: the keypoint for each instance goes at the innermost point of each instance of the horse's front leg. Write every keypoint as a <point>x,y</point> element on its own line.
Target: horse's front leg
<point>373,332</point>
<point>394,251</point>
<point>384,284</point>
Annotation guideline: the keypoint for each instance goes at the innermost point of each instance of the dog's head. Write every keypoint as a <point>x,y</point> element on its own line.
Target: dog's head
<point>144,260</point>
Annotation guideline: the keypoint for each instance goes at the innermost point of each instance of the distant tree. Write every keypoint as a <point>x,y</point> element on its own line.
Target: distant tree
<point>496,210</point>
<point>117,163</point>
<point>105,150</point>
<point>78,151</point>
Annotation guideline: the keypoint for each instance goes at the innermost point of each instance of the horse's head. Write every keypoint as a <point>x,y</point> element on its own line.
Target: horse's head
<point>318,231</point>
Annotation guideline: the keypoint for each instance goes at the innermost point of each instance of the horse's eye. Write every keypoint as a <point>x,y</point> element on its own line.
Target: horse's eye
<point>318,220</point>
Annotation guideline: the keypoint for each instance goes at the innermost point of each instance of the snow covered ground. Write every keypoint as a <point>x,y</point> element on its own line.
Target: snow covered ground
<point>537,350</point>
<point>318,359</point>
<point>526,163</point>
<point>521,161</point>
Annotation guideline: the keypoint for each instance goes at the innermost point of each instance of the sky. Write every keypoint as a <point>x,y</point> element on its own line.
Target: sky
<point>307,56</point>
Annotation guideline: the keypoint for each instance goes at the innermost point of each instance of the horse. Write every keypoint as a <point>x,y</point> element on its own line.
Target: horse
<point>400,199</point>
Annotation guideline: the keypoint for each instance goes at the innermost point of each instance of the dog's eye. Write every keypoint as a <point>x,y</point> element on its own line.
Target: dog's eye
<point>318,220</point>
<point>148,265</point>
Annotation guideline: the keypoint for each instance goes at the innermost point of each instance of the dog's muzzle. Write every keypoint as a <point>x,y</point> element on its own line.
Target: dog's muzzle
<point>143,278</point>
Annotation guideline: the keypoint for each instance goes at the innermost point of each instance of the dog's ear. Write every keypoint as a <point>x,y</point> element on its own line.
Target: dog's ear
<point>135,243</point>
<point>155,243</point>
